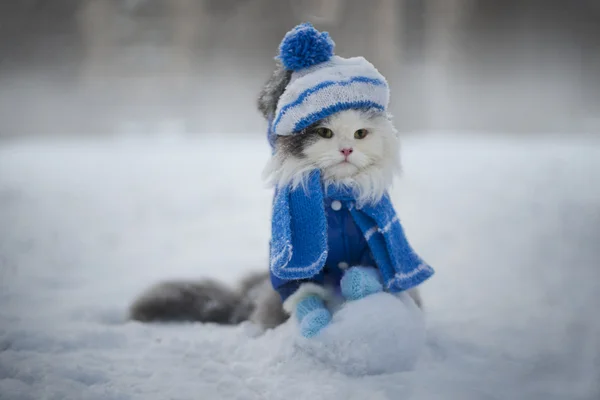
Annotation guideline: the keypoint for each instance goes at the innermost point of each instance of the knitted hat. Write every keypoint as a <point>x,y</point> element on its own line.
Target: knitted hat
<point>321,83</point>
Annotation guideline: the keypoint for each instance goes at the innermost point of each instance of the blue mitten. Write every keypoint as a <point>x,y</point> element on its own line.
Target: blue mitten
<point>312,315</point>
<point>359,282</point>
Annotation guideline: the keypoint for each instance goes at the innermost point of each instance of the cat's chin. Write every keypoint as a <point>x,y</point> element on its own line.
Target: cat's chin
<point>343,170</point>
<point>369,183</point>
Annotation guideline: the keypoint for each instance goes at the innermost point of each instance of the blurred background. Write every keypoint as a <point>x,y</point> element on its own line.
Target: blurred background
<point>106,67</point>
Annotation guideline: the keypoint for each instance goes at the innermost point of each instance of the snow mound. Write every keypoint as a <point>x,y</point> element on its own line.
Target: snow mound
<point>381,333</point>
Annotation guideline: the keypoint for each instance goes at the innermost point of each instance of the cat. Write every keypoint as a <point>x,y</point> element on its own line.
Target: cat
<point>355,148</point>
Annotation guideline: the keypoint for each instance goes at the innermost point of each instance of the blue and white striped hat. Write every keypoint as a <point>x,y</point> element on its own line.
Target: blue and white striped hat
<point>322,83</point>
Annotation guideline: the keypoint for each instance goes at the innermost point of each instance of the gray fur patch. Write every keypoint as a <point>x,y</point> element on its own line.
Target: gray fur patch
<point>204,301</point>
<point>294,145</point>
<point>272,91</point>
<point>211,301</point>
<point>268,308</point>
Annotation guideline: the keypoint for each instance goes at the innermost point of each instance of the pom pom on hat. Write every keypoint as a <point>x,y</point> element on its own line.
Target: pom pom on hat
<point>320,83</point>
<point>304,46</point>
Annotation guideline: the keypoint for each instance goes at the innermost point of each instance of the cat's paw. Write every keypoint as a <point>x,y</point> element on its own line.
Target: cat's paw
<point>359,282</point>
<point>312,315</point>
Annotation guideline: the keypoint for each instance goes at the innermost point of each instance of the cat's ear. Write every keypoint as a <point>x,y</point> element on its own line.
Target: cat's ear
<point>272,90</point>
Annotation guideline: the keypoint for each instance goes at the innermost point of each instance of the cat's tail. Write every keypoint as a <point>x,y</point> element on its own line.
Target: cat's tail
<point>210,301</point>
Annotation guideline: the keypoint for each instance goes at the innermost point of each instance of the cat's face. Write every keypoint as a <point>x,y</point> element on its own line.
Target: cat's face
<point>357,148</point>
<point>347,143</point>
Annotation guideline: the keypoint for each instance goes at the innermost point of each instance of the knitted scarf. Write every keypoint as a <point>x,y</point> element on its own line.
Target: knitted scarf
<point>298,248</point>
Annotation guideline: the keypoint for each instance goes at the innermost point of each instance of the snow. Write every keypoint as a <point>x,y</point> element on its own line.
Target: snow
<point>511,225</point>
<point>379,334</point>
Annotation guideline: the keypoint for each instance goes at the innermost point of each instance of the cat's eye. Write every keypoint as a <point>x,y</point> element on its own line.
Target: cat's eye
<point>325,133</point>
<point>361,134</point>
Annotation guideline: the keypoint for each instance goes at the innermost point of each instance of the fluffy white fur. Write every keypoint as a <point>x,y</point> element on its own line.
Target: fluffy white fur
<point>370,168</point>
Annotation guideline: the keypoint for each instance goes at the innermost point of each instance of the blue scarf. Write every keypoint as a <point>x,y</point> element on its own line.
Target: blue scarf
<point>299,235</point>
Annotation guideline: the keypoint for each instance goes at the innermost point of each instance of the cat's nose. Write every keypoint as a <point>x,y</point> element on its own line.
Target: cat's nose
<point>346,152</point>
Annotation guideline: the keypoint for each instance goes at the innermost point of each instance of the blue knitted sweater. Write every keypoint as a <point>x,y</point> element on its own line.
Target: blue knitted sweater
<point>309,239</point>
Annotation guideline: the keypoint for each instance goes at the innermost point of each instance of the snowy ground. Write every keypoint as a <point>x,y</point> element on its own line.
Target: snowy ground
<point>512,226</point>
